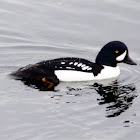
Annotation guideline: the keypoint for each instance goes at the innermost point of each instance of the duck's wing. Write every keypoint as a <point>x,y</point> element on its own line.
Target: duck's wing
<point>71,63</point>
<point>63,65</point>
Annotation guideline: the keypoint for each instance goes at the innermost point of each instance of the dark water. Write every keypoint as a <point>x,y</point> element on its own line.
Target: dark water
<point>35,30</point>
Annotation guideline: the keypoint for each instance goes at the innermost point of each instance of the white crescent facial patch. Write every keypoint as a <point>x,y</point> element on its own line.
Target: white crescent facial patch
<point>121,57</point>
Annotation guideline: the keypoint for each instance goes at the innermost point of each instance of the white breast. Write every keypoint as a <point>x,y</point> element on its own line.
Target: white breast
<point>108,72</point>
<point>72,75</point>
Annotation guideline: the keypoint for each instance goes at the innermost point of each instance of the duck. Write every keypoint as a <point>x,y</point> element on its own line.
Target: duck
<point>69,69</point>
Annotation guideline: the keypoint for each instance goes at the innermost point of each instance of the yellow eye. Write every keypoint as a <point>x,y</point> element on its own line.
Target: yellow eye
<point>116,51</point>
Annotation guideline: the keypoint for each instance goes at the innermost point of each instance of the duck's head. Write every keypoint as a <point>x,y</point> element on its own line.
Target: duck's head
<point>112,53</point>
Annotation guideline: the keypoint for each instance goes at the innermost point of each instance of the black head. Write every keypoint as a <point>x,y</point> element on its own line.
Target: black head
<point>112,53</point>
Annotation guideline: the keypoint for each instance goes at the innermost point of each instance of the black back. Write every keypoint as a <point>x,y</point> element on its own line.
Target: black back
<point>70,63</point>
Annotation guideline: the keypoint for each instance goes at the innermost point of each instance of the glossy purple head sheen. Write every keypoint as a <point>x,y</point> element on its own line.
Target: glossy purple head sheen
<point>112,53</point>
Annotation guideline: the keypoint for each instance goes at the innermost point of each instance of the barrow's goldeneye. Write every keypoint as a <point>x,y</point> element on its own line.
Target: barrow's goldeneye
<point>50,72</point>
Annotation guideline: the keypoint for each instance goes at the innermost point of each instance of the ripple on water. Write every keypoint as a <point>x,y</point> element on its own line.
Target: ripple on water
<point>32,31</point>
<point>79,107</point>
<point>130,74</point>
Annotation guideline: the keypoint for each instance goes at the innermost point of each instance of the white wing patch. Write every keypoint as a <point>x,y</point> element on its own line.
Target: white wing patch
<point>75,63</point>
<point>70,63</point>
<point>89,68</point>
<point>62,62</point>
<point>69,68</point>
<point>121,57</point>
<point>86,67</point>
<point>83,65</point>
<point>80,64</point>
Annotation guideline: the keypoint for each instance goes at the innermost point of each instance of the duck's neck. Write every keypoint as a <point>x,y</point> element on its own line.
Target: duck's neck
<point>105,60</point>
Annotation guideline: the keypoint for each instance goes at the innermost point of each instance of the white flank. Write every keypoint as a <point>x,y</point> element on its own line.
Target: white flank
<point>121,57</point>
<point>72,75</point>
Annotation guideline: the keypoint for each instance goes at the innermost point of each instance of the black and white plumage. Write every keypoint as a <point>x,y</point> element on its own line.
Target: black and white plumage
<point>78,69</point>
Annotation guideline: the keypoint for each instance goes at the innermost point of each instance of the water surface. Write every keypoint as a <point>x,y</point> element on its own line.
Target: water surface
<point>31,31</point>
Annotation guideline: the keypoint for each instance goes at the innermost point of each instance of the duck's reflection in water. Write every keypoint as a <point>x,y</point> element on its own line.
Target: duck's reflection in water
<point>118,98</point>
